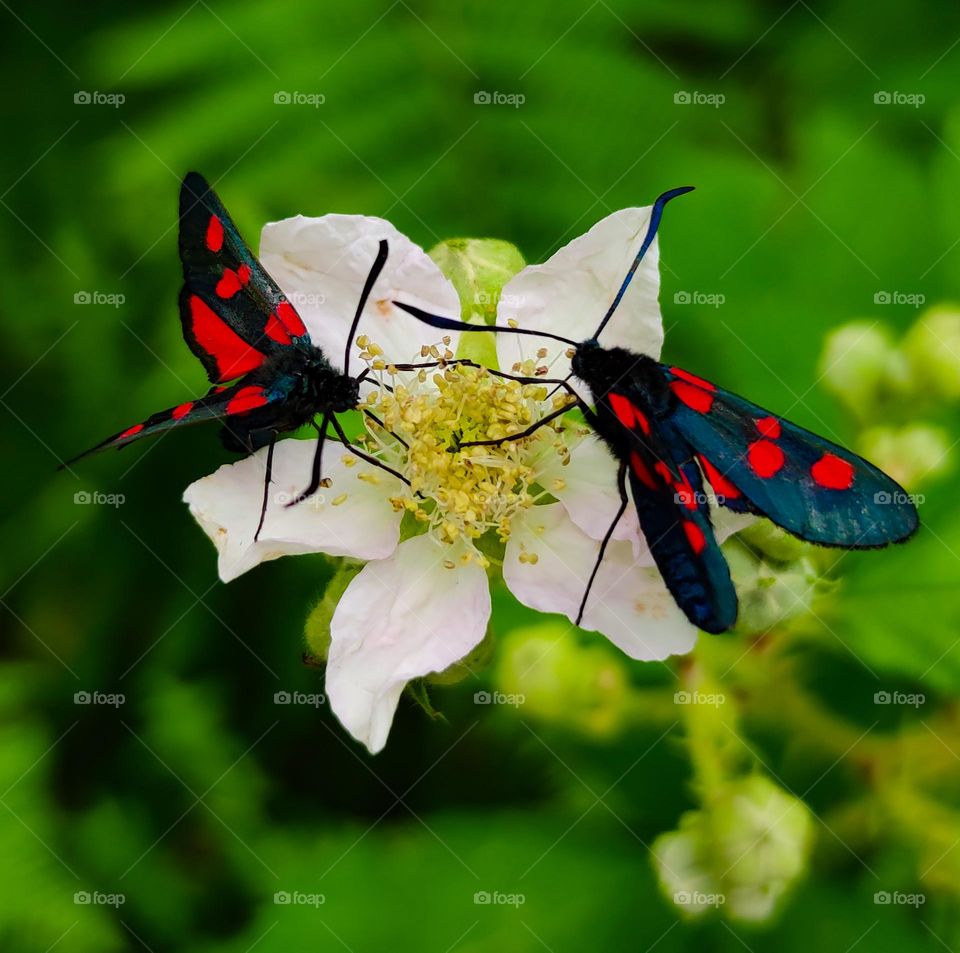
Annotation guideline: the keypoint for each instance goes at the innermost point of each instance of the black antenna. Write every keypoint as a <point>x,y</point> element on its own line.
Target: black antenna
<point>655,215</point>
<point>449,324</point>
<point>381,260</point>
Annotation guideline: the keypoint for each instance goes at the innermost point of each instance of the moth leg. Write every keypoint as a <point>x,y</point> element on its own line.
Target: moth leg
<point>426,365</point>
<point>364,456</point>
<point>622,487</point>
<point>533,428</point>
<point>267,480</point>
<point>317,461</point>
<point>559,383</point>
<point>385,428</point>
<point>577,401</point>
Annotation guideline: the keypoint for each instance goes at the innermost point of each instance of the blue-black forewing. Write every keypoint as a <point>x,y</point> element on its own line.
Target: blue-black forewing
<point>674,516</point>
<point>221,403</point>
<point>812,488</point>
<point>234,315</point>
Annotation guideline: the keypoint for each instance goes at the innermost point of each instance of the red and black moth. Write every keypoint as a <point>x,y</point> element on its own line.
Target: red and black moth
<point>671,430</point>
<point>268,377</point>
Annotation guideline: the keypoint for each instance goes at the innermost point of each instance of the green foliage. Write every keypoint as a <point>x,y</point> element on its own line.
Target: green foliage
<point>199,798</point>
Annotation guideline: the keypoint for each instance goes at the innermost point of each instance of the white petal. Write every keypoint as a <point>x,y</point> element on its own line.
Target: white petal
<point>629,602</point>
<point>399,619</point>
<point>570,293</point>
<point>588,489</point>
<point>726,522</point>
<point>321,265</point>
<point>227,504</point>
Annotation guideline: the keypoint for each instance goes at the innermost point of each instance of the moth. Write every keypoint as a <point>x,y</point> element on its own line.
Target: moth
<point>268,377</point>
<point>672,431</point>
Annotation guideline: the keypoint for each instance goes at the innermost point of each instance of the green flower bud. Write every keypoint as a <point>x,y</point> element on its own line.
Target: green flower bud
<point>932,349</point>
<point>910,454</point>
<point>317,629</point>
<point>739,854</point>
<point>860,364</point>
<point>582,687</point>
<point>478,268</point>
<point>681,863</point>
<point>767,539</point>
<point>770,594</point>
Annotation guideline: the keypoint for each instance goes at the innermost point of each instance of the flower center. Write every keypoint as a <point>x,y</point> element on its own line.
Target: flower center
<point>417,423</point>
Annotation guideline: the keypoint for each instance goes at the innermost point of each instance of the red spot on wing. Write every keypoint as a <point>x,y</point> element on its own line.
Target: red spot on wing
<point>233,355</point>
<point>765,458</point>
<point>695,537</point>
<point>693,396</point>
<point>276,331</point>
<point>628,414</point>
<point>214,238</point>
<point>290,319</point>
<point>642,471</point>
<point>832,473</point>
<point>721,485</point>
<point>685,494</point>
<point>229,284</point>
<point>232,281</point>
<point>692,378</point>
<point>664,472</point>
<point>622,408</point>
<point>245,399</point>
<point>131,431</point>
<point>768,427</point>
<point>182,410</point>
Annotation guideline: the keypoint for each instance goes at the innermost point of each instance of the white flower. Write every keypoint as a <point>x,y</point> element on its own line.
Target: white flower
<point>407,613</point>
<point>423,603</point>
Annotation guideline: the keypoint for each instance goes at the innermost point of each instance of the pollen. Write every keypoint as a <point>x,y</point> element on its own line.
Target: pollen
<point>458,493</point>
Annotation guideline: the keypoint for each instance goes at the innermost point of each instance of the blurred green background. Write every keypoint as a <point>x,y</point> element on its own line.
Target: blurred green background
<point>827,192</point>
